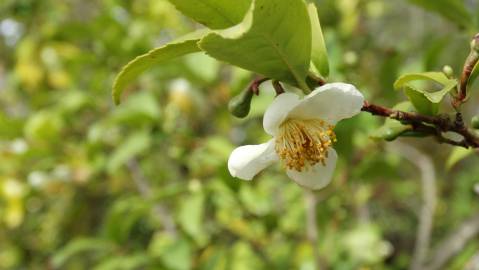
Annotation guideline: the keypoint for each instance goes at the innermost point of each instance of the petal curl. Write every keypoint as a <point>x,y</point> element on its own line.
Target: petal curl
<point>331,102</point>
<point>278,111</point>
<point>318,176</point>
<point>248,160</point>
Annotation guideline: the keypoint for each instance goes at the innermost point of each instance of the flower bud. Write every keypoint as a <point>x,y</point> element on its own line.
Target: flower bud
<point>448,71</point>
<point>475,122</point>
<point>239,105</point>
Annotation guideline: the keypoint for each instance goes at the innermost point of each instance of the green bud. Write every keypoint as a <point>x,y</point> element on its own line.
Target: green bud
<point>475,122</point>
<point>240,105</point>
<point>391,134</point>
<point>448,71</point>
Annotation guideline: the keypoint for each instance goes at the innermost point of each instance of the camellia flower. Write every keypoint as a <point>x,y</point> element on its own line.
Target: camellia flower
<point>303,135</point>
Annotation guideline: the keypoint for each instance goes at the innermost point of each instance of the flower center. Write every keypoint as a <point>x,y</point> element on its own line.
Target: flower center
<point>304,143</point>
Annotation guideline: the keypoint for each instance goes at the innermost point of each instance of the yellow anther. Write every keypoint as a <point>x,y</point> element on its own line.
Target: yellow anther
<point>304,143</point>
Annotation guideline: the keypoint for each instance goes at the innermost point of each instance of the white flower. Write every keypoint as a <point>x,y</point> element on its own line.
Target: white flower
<point>302,131</point>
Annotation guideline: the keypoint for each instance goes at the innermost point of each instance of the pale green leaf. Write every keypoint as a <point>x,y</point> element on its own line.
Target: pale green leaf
<point>191,217</point>
<point>215,14</point>
<point>420,102</point>
<point>182,46</point>
<point>274,40</point>
<point>319,54</point>
<point>458,154</point>
<point>453,10</point>
<point>438,77</point>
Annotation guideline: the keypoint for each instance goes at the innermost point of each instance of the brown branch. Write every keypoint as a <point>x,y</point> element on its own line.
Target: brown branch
<point>429,125</point>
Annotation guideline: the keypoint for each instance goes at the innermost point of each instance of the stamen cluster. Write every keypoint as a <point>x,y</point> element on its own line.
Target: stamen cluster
<point>304,143</point>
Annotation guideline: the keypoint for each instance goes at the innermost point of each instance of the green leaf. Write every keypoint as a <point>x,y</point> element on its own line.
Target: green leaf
<point>191,217</point>
<point>438,77</point>
<point>80,245</point>
<point>453,10</point>
<point>182,46</point>
<point>175,253</point>
<point>215,14</point>
<point>457,154</point>
<point>274,40</point>
<point>125,262</point>
<point>392,129</point>
<point>319,54</point>
<point>134,145</point>
<point>420,102</point>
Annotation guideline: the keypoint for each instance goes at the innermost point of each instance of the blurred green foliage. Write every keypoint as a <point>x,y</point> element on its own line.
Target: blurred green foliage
<point>87,185</point>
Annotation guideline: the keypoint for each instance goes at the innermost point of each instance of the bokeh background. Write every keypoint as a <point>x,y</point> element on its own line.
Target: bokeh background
<point>87,185</point>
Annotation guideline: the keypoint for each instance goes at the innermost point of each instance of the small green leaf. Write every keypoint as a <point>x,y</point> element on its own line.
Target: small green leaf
<point>80,246</point>
<point>420,102</point>
<point>191,217</point>
<point>134,145</point>
<point>438,77</point>
<point>392,129</point>
<point>457,155</point>
<point>182,46</point>
<point>319,54</point>
<point>453,10</point>
<point>215,14</point>
<point>274,40</point>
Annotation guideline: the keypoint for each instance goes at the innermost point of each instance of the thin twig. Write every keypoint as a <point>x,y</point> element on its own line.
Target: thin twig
<point>429,200</point>
<point>454,243</point>
<point>429,125</point>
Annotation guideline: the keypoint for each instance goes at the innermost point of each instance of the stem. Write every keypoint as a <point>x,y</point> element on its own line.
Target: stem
<point>469,65</point>
<point>278,88</point>
<point>429,125</point>
<point>312,227</point>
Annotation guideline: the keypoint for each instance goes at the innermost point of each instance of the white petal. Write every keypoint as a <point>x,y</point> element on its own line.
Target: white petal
<point>278,111</point>
<point>317,176</point>
<point>331,102</point>
<point>247,161</point>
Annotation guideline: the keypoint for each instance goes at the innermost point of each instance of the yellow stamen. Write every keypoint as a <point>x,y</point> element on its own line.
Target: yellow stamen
<point>304,143</point>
